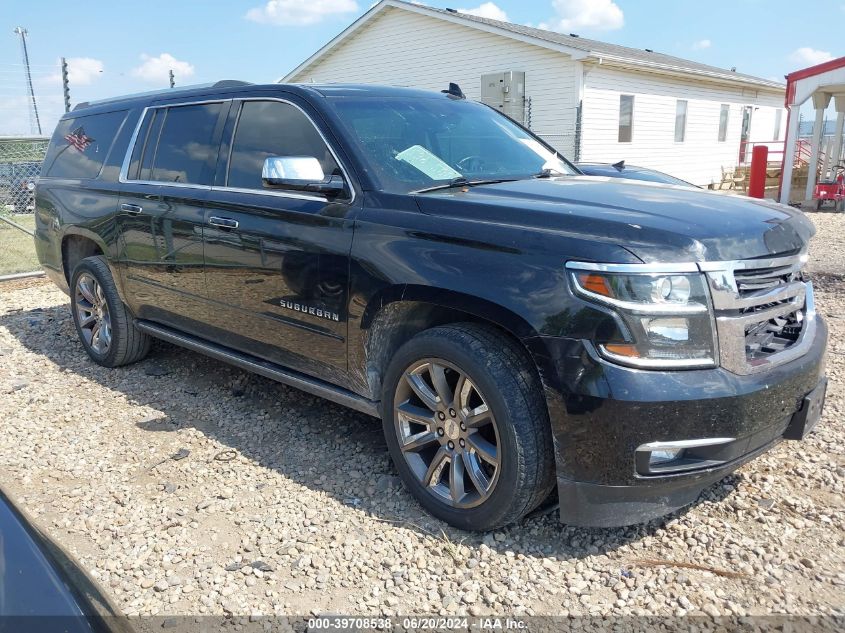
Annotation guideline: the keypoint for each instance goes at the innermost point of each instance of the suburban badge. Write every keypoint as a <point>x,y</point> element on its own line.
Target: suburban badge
<point>301,307</point>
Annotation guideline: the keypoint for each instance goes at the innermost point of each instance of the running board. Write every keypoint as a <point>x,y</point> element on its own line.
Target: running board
<point>265,368</point>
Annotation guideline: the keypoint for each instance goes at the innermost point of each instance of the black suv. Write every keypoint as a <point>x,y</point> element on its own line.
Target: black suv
<point>518,327</point>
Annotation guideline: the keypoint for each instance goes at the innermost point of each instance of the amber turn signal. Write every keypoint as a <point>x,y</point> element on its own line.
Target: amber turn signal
<point>622,349</point>
<point>595,283</point>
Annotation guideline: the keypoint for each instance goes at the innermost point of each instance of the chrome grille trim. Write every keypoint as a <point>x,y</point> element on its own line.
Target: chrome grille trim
<point>798,261</point>
<point>749,292</point>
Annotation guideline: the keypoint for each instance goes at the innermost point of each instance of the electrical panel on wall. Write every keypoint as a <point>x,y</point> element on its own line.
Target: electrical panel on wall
<point>505,91</point>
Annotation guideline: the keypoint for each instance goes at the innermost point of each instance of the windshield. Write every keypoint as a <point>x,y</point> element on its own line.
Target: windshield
<point>412,143</point>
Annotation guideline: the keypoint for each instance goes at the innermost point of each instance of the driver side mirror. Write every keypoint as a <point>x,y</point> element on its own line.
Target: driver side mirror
<point>300,173</point>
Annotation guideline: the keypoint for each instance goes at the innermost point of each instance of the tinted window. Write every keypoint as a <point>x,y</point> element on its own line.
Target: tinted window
<point>626,118</point>
<point>140,145</point>
<point>148,150</point>
<point>273,128</point>
<point>117,153</point>
<point>80,145</point>
<point>680,121</point>
<point>185,151</point>
<point>723,122</point>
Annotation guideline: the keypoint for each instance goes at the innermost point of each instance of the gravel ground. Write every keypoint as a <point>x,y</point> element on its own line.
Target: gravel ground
<point>286,504</point>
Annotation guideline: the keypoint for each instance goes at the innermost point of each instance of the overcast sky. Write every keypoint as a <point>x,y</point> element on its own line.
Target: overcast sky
<point>116,47</point>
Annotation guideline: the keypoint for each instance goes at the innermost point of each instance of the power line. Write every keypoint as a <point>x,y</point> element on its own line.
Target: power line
<point>22,32</point>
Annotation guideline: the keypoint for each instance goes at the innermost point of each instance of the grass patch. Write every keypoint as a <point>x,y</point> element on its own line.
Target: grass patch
<point>17,249</point>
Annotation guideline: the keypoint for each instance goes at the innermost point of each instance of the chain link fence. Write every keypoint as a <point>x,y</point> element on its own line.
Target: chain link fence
<point>20,166</point>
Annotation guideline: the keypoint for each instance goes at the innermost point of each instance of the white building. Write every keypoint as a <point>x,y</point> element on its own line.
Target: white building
<point>820,84</point>
<point>592,100</point>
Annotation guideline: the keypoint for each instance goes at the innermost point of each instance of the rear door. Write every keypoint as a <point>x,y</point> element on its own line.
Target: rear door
<point>278,274</point>
<point>162,212</point>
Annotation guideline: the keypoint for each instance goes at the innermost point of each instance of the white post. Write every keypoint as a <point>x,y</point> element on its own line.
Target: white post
<point>820,103</point>
<point>789,143</point>
<point>836,148</point>
<point>827,144</point>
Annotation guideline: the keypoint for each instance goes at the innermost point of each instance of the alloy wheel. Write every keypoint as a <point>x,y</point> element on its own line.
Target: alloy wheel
<point>92,311</point>
<point>447,433</point>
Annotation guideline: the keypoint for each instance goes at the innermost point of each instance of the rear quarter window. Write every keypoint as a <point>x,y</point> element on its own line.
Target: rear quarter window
<point>80,145</point>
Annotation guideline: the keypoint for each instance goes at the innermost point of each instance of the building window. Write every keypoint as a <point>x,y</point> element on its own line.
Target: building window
<point>723,122</point>
<point>778,115</point>
<point>680,120</point>
<point>626,118</point>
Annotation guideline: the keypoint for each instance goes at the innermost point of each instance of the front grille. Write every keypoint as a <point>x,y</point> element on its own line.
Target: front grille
<point>764,311</point>
<point>773,336</point>
<point>756,279</point>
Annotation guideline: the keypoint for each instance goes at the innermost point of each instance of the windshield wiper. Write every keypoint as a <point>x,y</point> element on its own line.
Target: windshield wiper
<point>463,181</point>
<point>548,173</point>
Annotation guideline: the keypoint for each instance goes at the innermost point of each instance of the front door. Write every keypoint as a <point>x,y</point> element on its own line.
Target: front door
<point>277,262</point>
<point>162,213</point>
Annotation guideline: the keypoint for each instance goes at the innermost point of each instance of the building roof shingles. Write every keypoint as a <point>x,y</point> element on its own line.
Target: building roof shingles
<point>596,47</point>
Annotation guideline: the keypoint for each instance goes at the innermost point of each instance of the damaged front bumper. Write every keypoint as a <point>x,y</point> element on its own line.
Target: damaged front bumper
<point>607,420</point>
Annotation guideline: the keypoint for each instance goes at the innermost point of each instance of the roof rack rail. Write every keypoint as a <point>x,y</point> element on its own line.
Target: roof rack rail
<point>223,83</point>
<point>231,83</point>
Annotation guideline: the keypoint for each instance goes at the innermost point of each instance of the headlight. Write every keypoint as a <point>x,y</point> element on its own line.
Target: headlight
<point>665,319</point>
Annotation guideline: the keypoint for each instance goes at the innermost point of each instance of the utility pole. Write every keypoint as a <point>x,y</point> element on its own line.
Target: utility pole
<point>65,86</point>
<point>23,32</point>
<point>172,83</point>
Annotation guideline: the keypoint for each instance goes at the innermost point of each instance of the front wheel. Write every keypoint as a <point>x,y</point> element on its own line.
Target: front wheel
<point>467,426</point>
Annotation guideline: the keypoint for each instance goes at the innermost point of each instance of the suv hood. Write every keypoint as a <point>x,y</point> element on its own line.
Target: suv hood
<point>655,222</point>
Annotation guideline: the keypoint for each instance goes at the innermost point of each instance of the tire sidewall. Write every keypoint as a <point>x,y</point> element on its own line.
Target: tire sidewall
<point>106,281</point>
<point>502,498</point>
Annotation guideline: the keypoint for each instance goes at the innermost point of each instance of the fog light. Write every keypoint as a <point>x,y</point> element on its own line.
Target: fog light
<point>663,456</point>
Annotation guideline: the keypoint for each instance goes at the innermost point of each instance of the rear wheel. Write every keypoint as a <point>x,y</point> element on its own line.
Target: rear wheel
<point>102,321</point>
<point>467,427</point>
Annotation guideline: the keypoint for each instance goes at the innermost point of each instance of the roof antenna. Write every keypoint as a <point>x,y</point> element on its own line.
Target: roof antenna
<point>454,91</point>
<point>619,166</point>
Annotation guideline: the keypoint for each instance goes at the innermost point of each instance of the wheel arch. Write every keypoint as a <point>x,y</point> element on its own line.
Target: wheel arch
<point>396,314</point>
<point>77,244</point>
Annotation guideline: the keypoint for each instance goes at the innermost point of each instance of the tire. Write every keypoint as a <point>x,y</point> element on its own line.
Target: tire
<point>111,319</point>
<point>819,204</point>
<point>500,374</point>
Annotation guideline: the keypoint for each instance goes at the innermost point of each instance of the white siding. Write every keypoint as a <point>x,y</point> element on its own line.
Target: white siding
<point>402,48</point>
<point>700,157</point>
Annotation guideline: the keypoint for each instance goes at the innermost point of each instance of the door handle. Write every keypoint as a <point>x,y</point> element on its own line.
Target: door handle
<point>134,209</point>
<point>223,223</point>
